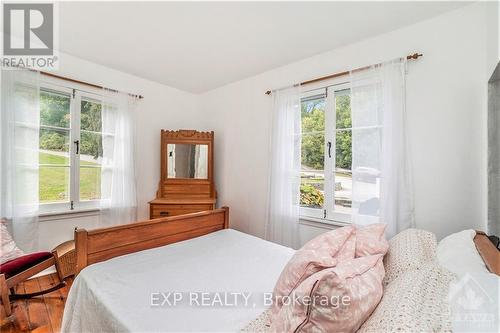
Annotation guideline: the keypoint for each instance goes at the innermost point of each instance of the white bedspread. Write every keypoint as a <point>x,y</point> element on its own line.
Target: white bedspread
<point>116,295</point>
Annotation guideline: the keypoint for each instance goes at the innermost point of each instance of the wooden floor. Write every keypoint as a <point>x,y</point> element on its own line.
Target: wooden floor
<point>39,314</point>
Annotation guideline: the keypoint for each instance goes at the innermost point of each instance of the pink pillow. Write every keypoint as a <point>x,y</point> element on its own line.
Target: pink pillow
<point>370,240</point>
<point>337,299</point>
<point>321,252</point>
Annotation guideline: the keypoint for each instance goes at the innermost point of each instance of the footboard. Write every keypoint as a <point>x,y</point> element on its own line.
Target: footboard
<point>102,244</point>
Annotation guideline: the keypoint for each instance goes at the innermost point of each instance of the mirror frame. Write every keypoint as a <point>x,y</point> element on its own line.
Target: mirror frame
<point>186,137</point>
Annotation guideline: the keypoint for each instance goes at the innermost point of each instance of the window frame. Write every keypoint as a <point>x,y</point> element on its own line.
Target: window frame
<point>75,92</point>
<point>327,214</point>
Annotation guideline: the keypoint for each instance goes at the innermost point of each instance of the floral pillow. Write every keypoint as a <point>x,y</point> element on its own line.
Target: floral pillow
<point>337,299</point>
<point>370,240</point>
<point>324,251</point>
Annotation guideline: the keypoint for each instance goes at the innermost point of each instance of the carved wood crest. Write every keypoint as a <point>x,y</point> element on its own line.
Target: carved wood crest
<point>186,134</point>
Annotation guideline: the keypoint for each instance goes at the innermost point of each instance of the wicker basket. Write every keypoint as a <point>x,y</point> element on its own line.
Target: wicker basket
<point>65,255</point>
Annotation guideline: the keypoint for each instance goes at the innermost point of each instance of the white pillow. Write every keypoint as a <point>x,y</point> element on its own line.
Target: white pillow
<point>458,254</point>
<point>8,248</point>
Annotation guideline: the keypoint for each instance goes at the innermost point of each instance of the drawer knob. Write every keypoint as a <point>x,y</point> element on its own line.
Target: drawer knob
<point>163,213</point>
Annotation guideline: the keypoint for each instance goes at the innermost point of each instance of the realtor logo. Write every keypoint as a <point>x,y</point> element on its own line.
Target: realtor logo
<point>29,38</point>
<point>32,24</point>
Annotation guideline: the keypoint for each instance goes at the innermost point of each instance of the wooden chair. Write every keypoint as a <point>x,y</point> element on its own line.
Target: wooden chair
<point>24,267</point>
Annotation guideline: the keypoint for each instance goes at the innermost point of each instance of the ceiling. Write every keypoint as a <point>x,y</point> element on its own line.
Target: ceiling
<point>198,46</point>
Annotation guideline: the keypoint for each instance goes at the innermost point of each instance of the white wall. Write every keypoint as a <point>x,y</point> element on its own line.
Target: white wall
<point>446,109</point>
<point>162,107</point>
<point>446,103</point>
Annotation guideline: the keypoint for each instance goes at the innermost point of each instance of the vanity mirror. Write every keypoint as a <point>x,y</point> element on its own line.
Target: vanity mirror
<point>186,182</point>
<point>186,160</point>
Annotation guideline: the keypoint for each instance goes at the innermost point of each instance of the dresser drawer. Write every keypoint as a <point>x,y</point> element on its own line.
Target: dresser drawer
<point>162,210</point>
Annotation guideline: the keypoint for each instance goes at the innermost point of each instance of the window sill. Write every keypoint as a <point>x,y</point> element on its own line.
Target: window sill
<point>321,223</point>
<point>61,215</point>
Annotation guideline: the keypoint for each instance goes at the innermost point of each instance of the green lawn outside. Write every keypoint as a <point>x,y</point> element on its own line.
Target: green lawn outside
<point>54,181</point>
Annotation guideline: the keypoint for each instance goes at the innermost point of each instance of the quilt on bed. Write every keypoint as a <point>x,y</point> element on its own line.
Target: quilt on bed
<point>122,294</point>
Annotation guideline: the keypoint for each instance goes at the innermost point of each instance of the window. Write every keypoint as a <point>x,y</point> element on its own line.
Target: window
<point>70,153</point>
<point>54,154</point>
<point>90,150</point>
<point>326,154</point>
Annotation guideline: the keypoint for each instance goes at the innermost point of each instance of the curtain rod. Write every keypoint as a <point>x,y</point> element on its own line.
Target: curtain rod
<point>86,83</point>
<point>331,76</point>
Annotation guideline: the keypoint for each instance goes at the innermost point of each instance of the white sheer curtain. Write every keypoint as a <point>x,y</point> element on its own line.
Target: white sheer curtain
<point>20,126</point>
<point>118,186</point>
<point>283,218</point>
<point>381,188</point>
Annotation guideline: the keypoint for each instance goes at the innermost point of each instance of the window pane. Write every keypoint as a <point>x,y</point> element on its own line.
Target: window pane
<point>343,191</point>
<point>54,109</point>
<point>90,150</point>
<point>313,115</point>
<point>90,119</point>
<point>90,165</point>
<point>312,171</point>
<point>54,184</point>
<point>369,145</point>
<point>90,182</point>
<point>90,147</point>
<point>369,106</point>
<point>54,171</point>
<point>343,109</point>
<point>312,189</point>
<point>55,142</point>
<point>343,149</point>
<point>367,183</point>
<point>313,152</point>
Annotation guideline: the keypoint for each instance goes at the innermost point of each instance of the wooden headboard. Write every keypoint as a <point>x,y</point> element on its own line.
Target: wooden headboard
<point>489,253</point>
<point>102,244</point>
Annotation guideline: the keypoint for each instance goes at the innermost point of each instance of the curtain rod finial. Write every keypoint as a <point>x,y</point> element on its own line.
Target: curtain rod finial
<point>414,56</point>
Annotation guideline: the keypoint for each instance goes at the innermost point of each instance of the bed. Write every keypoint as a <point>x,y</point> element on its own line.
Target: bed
<point>123,293</point>
<point>155,275</point>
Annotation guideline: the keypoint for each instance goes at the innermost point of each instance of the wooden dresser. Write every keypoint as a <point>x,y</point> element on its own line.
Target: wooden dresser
<point>186,182</point>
